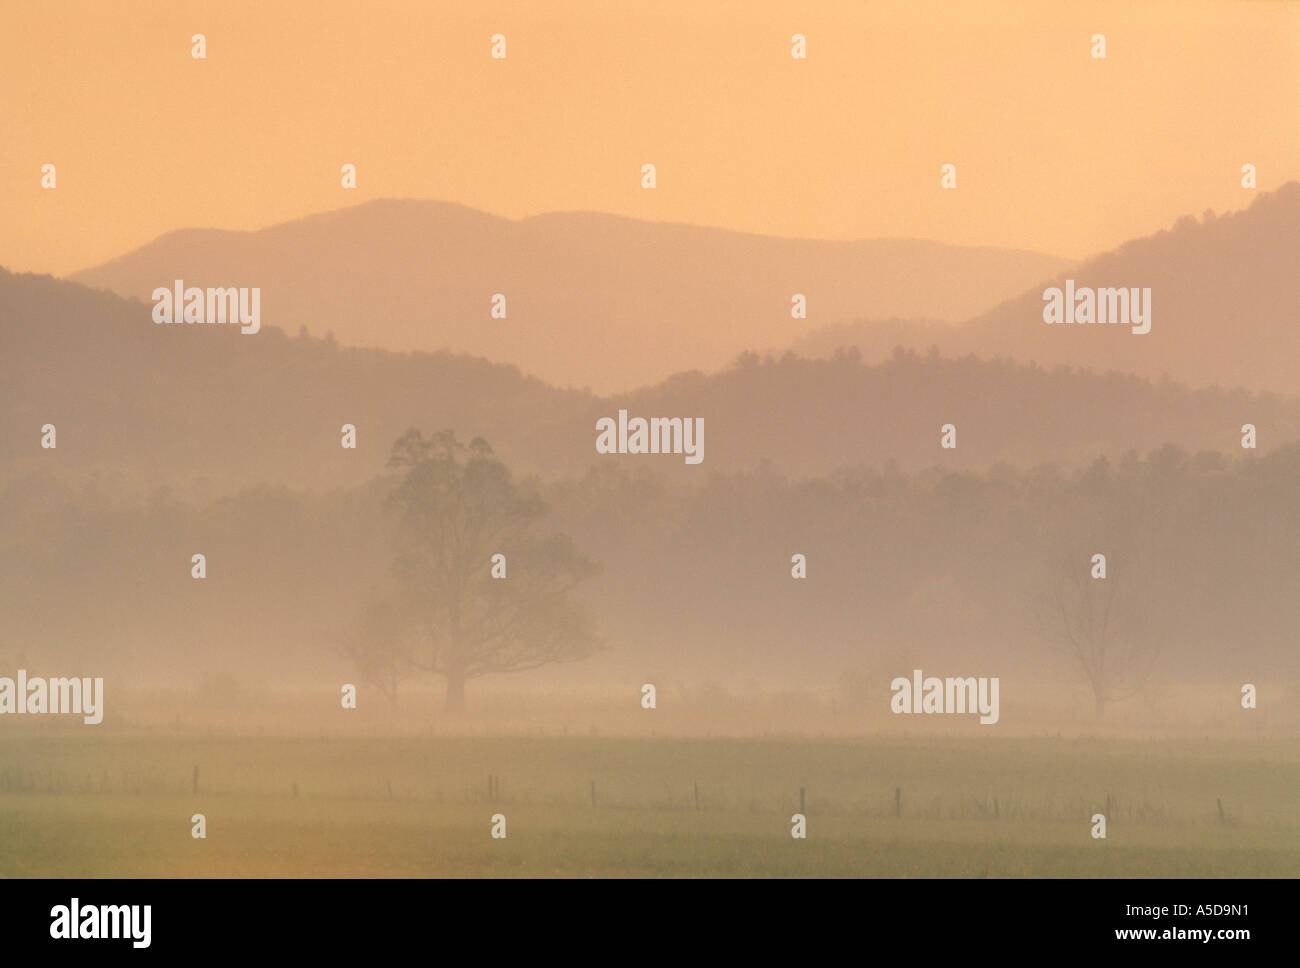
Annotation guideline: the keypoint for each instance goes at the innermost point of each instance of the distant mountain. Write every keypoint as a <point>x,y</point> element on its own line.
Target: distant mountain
<point>592,300</point>
<point>1225,295</point>
<point>205,406</point>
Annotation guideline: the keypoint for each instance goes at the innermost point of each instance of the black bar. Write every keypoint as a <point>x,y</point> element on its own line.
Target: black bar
<point>976,919</point>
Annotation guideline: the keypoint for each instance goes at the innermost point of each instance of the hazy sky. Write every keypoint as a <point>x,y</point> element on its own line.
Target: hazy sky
<point>1055,151</point>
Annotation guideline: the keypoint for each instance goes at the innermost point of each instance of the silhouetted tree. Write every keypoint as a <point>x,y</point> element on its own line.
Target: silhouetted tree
<point>456,506</point>
<point>1099,623</point>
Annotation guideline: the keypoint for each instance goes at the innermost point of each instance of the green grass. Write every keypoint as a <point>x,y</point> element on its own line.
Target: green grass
<point>121,805</point>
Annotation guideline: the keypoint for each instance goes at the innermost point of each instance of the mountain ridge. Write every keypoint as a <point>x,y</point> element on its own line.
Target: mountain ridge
<point>1226,307</point>
<point>179,404</point>
<point>605,301</point>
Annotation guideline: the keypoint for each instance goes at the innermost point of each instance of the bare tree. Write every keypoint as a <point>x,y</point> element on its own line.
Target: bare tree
<point>1100,623</point>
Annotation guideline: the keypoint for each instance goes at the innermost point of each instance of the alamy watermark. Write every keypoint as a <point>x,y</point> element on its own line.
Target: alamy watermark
<point>213,305</point>
<point>82,696</point>
<point>74,921</point>
<point>953,695</point>
<point>656,435</point>
<point>1130,307</point>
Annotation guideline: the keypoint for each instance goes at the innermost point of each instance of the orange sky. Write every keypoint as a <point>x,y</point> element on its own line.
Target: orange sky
<point>1055,151</point>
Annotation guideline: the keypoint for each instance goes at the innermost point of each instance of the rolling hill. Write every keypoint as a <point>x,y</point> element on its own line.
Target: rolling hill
<point>592,300</point>
<point>1225,308</point>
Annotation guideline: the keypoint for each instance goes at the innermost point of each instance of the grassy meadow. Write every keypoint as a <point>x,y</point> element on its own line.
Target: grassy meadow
<point>875,806</point>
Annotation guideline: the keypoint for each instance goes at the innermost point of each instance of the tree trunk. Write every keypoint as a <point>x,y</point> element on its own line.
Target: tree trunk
<point>1101,707</point>
<point>455,692</point>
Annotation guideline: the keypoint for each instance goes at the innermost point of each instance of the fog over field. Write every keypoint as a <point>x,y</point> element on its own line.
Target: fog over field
<point>959,562</point>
